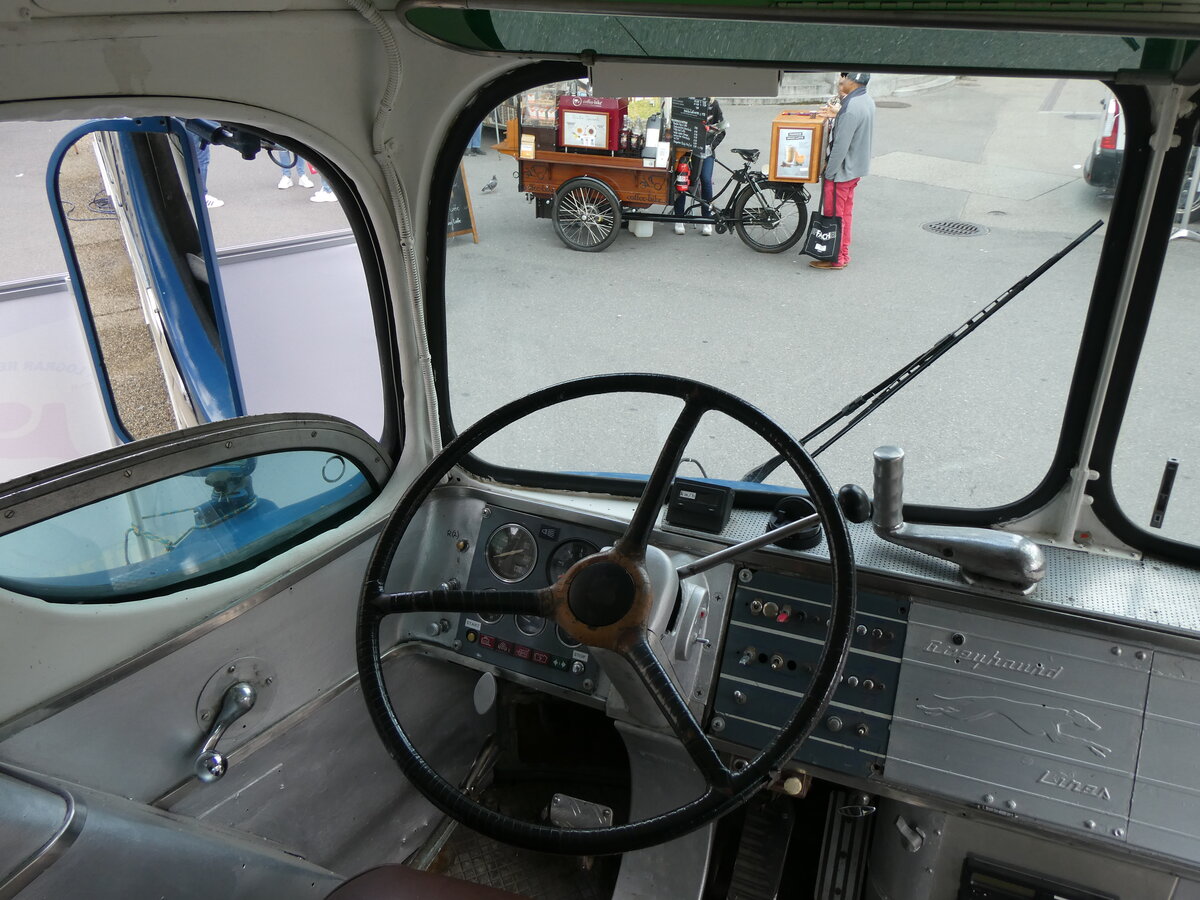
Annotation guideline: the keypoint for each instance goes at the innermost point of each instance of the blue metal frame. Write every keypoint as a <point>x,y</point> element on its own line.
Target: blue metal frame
<point>210,373</point>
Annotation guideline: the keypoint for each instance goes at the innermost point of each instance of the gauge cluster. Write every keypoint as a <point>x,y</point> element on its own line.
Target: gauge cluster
<point>517,550</point>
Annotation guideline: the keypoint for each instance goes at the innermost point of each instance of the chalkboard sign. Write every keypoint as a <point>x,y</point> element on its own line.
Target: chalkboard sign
<point>688,117</point>
<point>460,219</point>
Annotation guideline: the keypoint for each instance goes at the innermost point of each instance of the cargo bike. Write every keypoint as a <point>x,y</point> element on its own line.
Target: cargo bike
<point>590,193</point>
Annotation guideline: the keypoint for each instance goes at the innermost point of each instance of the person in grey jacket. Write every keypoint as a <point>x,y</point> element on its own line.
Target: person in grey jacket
<point>849,158</point>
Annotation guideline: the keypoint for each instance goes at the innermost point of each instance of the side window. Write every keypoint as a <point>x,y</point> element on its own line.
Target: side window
<point>1154,477</point>
<point>182,515</point>
<point>207,273</point>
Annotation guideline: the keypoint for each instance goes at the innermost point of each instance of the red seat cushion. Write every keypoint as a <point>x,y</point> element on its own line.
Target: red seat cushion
<point>397,882</point>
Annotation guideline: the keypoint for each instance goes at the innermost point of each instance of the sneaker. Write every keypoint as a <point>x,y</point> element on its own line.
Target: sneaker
<point>305,181</point>
<point>285,182</point>
<point>680,228</point>
<point>324,196</point>
<point>212,202</point>
<point>706,230</point>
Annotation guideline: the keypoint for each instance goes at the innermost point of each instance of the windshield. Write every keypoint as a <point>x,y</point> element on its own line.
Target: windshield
<point>971,184</point>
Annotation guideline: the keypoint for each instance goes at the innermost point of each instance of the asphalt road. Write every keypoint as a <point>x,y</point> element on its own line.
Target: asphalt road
<point>979,427</point>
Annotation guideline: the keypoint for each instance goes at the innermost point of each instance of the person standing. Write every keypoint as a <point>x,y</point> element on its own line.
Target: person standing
<point>285,179</point>
<point>714,123</point>
<point>474,146</point>
<point>849,158</point>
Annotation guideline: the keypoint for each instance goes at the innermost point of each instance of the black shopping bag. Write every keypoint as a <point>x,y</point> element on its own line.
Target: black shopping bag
<point>824,235</point>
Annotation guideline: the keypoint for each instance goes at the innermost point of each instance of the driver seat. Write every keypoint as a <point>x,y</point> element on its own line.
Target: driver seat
<point>397,882</point>
<point>748,155</point>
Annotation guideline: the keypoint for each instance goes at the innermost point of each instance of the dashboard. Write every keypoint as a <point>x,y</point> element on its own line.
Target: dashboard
<point>1019,708</point>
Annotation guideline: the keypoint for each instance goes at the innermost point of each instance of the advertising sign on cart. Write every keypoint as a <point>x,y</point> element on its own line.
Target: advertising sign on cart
<point>584,130</point>
<point>794,152</point>
<point>590,123</point>
<point>797,147</point>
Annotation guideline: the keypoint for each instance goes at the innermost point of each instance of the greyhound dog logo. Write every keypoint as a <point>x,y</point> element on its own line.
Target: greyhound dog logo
<point>1058,724</point>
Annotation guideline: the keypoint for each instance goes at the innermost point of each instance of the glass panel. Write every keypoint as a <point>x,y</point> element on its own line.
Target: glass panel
<point>1162,418</point>
<point>992,166</point>
<point>167,334</point>
<point>691,39</point>
<point>183,529</point>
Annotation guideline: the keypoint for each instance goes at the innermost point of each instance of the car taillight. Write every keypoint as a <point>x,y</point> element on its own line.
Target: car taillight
<point>1109,141</point>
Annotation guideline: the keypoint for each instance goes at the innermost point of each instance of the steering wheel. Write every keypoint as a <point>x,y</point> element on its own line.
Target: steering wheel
<point>604,601</point>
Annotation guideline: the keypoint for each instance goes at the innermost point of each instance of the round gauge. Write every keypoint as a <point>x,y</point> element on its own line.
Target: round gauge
<point>564,637</point>
<point>566,555</point>
<point>530,625</point>
<point>511,553</point>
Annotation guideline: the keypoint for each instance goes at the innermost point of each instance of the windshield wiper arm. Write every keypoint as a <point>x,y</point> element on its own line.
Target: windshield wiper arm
<point>887,388</point>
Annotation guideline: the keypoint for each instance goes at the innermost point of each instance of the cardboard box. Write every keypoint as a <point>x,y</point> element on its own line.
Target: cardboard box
<point>528,146</point>
<point>797,146</point>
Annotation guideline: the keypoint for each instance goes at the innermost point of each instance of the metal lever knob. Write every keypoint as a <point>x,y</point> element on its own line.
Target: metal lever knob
<point>238,700</point>
<point>888,512</point>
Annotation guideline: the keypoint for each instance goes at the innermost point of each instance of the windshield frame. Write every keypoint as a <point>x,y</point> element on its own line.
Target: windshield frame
<point>1088,360</point>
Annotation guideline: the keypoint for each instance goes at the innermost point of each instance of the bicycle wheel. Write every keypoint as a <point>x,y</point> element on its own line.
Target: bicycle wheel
<point>587,215</point>
<point>770,220</point>
<point>282,157</point>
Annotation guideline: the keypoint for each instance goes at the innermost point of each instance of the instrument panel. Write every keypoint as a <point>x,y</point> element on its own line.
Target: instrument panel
<point>522,551</point>
<point>1050,723</point>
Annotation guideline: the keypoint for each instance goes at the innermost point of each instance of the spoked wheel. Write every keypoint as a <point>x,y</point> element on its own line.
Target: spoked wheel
<point>771,220</point>
<point>587,215</point>
<point>605,601</point>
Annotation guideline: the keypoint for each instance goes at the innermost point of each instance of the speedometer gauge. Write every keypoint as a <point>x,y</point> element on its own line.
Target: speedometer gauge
<point>511,553</point>
<point>566,555</point>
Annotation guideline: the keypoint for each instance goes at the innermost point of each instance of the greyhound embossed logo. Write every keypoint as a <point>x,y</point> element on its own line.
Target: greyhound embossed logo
<point>1060,725</point>
<point>984,660</point>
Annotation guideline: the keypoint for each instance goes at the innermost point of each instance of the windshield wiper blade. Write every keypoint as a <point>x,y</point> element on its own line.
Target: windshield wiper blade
<point>886,389</point>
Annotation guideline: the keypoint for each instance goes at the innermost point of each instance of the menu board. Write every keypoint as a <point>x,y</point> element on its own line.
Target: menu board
<point>460,217</point>
<point>688,118</point>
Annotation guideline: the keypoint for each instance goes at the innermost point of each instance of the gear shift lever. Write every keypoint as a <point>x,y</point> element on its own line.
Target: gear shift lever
<point>998,558</point>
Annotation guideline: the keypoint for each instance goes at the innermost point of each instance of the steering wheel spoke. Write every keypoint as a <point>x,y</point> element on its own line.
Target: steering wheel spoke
<point>532,603</point>
<point>660,686</point>
<point>637,535</point>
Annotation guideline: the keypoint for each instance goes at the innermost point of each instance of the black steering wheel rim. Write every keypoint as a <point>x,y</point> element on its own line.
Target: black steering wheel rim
<point>717,799</point>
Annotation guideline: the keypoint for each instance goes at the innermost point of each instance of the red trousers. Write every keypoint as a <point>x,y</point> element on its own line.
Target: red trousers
<point>838,200</point>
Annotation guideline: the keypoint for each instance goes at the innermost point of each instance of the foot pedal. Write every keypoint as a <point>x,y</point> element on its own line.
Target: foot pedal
<point>844,853</point>
<point>762,850</point>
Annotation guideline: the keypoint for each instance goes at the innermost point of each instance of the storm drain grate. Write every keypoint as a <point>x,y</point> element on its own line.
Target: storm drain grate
<point>955,229</point>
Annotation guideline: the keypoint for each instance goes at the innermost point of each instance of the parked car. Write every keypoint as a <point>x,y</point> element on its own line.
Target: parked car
<point>1103,166</point>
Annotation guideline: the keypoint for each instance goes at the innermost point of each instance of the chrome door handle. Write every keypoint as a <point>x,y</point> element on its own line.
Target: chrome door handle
<point>238,700</point>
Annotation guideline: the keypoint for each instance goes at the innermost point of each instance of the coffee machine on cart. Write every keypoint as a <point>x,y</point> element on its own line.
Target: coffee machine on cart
<point>593,164</point>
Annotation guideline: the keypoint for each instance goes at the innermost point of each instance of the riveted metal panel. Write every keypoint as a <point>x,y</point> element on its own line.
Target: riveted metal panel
<point>1019,719</point>
<point>1167,793</point>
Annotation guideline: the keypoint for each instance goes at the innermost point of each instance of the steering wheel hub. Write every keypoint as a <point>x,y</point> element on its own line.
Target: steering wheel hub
<point>601,594</point>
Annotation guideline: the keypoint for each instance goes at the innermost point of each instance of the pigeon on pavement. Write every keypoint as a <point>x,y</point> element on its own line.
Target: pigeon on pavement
<point>490,186</point>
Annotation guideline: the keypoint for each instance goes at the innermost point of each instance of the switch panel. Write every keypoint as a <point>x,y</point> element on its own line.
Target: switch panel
<point>777,628</point>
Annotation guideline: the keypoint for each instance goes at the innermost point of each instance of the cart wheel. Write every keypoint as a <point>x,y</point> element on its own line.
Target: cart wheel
<point>587,215</point>
<point>772,222</point>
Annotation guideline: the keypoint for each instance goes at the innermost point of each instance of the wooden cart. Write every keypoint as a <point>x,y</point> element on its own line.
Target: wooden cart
<point>590,195</point>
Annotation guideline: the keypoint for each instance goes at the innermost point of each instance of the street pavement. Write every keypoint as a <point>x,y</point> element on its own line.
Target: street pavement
<point>979,427</point>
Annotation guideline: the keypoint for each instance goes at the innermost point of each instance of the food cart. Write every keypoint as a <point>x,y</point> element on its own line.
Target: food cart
<point>590,165</point>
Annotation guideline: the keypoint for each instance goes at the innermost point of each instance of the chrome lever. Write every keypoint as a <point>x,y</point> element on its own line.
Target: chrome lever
<point>238,700</point>
<point>983,555</point>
